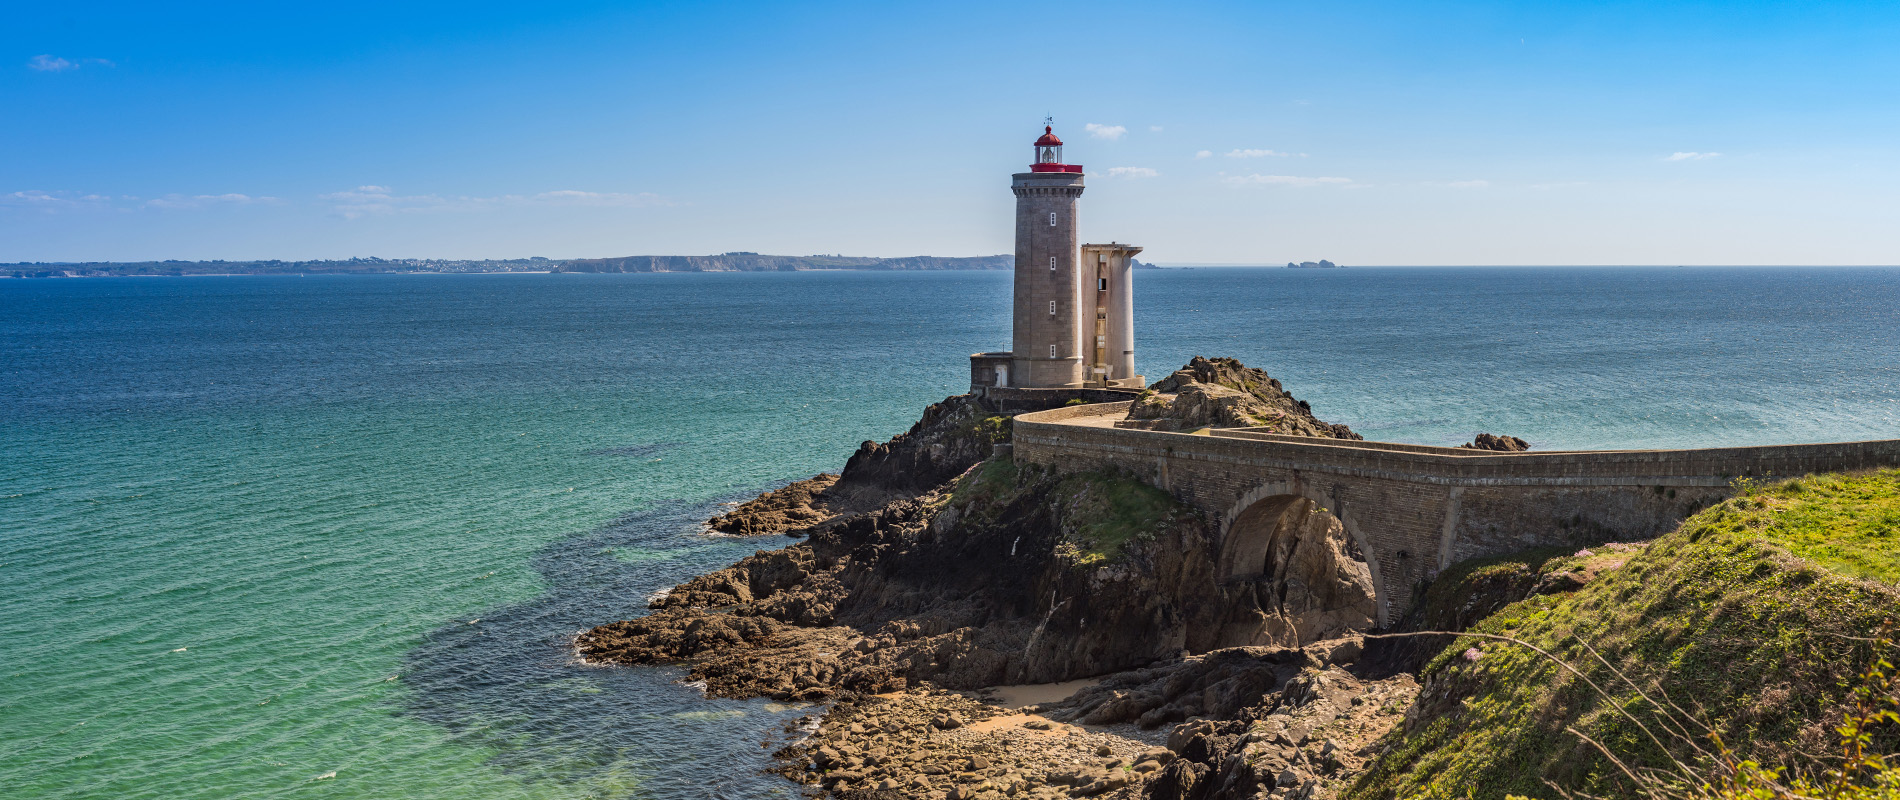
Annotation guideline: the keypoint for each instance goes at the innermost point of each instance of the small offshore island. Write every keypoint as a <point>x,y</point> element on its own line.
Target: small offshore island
<point>1070,582</point>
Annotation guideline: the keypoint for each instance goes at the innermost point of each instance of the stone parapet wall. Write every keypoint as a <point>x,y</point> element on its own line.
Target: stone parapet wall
<point>1414,509</point>
<point>1447,466</point>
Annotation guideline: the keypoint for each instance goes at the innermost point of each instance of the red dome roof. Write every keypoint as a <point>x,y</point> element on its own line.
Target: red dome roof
<point>1048,138</point>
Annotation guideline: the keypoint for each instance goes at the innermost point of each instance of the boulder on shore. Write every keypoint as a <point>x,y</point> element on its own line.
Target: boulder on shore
<point>1502,444</point>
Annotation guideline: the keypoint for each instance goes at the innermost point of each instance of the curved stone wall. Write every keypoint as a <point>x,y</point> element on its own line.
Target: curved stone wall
<point>1418,509</point>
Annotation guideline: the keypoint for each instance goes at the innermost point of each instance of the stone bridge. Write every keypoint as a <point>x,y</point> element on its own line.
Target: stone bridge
<point>1414,510</point>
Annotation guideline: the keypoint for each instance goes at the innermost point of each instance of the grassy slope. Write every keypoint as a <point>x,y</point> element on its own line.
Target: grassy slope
<point>1100,513</point>
<point>1741,613</point>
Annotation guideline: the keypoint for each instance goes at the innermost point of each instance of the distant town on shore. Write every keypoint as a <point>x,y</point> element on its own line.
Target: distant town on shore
<point>723,262</point>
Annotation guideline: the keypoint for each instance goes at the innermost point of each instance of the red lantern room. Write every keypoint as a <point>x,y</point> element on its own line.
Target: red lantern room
<point>1049,154</point>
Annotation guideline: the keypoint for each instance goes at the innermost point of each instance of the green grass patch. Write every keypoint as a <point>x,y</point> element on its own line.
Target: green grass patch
<point>995,428</point>
<point>1102,512</point>
<point>987,484</point>
<point>1849,524</point>
<point>1748,614</point>
<point>1097,514</point>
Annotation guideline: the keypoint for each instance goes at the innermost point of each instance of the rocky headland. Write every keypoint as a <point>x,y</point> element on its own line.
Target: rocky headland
<point>937,581</point>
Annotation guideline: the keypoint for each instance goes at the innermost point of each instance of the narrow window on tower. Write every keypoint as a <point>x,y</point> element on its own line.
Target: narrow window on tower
<point>1052,263</point>
<point>1101,284</point>
<point>1052,307</point>
<point>1052,219</point>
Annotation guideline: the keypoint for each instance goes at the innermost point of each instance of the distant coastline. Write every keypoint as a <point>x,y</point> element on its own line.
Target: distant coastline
<point>723,262</point>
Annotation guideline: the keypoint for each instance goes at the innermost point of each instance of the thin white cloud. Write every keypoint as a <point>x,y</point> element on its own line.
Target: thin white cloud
<point>51,63</point>
<point>1131,172</point>
<point>1100,131</point>
<point>1154,128</point>
<point>1680,156</point>
<point>54,201</point>
<point>204,200</point>
<point>1204,154</point>
<point>1299,181</point>
<point>1256,154</point>
<point>376,200</point>
<point>80,201</point>
<point>571,197</point>
<point>1469,184</point>
<point>366,200</point>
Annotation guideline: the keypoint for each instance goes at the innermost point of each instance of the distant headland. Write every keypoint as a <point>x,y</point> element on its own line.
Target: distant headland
<point>1320,264</point>
<point>723,262</point>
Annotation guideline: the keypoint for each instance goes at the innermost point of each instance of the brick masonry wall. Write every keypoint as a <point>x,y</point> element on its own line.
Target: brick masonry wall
<point>1416,510</point>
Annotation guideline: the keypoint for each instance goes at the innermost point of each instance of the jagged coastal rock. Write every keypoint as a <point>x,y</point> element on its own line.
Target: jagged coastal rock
<point>937,576</point>
<point>930,566</point>
<point>1502,444</point>
<point>796,506</point>
<point>1224,393</point>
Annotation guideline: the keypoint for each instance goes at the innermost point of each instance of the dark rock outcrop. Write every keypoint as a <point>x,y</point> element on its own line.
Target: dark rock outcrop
<point>1215,685</point>
<point>1224,393</point>
<point>1305,741</point>
<point>1015,577</point>
<point>930,563</point>
<point>951,437</point>
<point>798,505</point>
<point>1313,584</point>
<point>1502,444</point>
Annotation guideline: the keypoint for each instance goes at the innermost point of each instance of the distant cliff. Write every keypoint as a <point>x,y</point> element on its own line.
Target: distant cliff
<point>725,262</point>
<point>753,262</point>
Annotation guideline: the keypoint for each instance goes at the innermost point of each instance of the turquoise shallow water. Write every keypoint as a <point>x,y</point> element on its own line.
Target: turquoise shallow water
<point>331,536</point>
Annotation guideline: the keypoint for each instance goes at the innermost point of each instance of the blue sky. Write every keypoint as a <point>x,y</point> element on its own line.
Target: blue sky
<point>1367,133</point>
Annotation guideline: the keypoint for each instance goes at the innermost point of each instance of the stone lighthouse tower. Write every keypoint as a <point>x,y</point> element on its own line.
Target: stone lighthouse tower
<point>1046,350</point>
<point>1073,322</point>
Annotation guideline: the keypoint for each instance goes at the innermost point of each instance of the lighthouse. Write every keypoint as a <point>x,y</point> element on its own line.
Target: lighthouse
<point>1045,350</point>
<point>1072,322</point>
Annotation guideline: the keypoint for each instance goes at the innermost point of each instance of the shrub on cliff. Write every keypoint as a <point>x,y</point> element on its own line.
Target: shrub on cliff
<point>1753,616</point>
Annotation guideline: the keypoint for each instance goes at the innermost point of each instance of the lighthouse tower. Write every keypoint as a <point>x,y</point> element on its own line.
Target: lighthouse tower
<point>1046,349</point>
<point>1073,322</point>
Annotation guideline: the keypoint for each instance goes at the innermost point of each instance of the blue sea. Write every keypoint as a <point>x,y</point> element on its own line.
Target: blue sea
<point>332,537</point>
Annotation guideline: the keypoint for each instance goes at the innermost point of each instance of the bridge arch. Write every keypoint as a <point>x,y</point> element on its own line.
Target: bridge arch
<point>1247,529</point>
